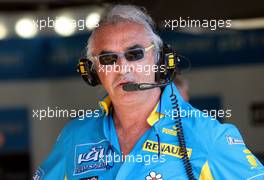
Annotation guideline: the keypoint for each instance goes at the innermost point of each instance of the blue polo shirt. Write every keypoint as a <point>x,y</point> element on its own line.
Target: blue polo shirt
<point>89,150</point>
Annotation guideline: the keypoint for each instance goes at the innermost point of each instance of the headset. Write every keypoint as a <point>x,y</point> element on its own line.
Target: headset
<point>167,57</point>
<point>174,64</point>
<point>88,72</point>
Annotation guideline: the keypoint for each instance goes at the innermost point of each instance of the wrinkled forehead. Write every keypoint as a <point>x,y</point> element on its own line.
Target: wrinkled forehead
<point>118,37</point>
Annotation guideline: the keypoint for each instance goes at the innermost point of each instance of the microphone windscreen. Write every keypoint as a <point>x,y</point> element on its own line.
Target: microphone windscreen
<point>130,87</point>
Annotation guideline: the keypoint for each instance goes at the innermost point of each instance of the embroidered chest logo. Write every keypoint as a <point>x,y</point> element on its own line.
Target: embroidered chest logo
<point>95,154</point>
<point>90,156</point>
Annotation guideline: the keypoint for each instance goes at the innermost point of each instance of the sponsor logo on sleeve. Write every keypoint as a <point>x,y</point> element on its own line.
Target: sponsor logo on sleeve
<point>232,140</point>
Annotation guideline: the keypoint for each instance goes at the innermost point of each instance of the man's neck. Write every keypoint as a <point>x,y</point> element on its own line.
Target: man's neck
<point>136,113</point>
<point>131,119</point>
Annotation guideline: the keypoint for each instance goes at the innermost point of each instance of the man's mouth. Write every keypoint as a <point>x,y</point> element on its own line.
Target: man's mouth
<point>123,83</point>
<point>124,80</point>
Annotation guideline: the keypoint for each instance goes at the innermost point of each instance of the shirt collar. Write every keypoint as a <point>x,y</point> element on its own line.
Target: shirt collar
<point>152,119</point>
<point>160,110</point>
<point>105,104</point>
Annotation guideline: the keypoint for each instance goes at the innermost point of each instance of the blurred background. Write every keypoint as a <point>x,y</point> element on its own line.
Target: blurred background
<point>37,68</point>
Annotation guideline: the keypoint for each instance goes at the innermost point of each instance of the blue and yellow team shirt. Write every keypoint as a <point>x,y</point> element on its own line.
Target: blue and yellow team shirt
<point>89,150</point>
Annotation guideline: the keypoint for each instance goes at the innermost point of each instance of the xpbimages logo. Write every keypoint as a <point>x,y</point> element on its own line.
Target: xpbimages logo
<point>57,112</point>
<point>213,113</point>
<point>80,24</point>
<point>146,69</point>
<point>212,24</point>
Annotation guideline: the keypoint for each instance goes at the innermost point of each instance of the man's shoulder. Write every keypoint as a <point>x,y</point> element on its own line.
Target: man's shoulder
<point>203,118</point>
<point>204,125</point>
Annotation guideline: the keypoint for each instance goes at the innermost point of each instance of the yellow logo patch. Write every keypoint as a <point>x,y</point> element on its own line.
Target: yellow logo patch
<point>251,159</point>
<point>168,149</point>
<point>169,131</point>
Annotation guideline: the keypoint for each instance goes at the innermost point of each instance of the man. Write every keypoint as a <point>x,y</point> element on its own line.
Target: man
<point>137,135</point>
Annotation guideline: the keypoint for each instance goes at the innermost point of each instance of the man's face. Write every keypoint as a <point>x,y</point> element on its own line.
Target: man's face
<point>119,38</point>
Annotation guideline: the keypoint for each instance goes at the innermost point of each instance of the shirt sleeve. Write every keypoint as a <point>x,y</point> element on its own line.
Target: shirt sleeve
<point>229,158</point>
<point>54,166</point>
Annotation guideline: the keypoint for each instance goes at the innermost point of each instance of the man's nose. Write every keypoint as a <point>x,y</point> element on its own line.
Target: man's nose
<point>123,66</point>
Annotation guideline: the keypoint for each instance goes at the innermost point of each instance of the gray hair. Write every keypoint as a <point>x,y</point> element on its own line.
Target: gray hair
<point>121,13</point>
